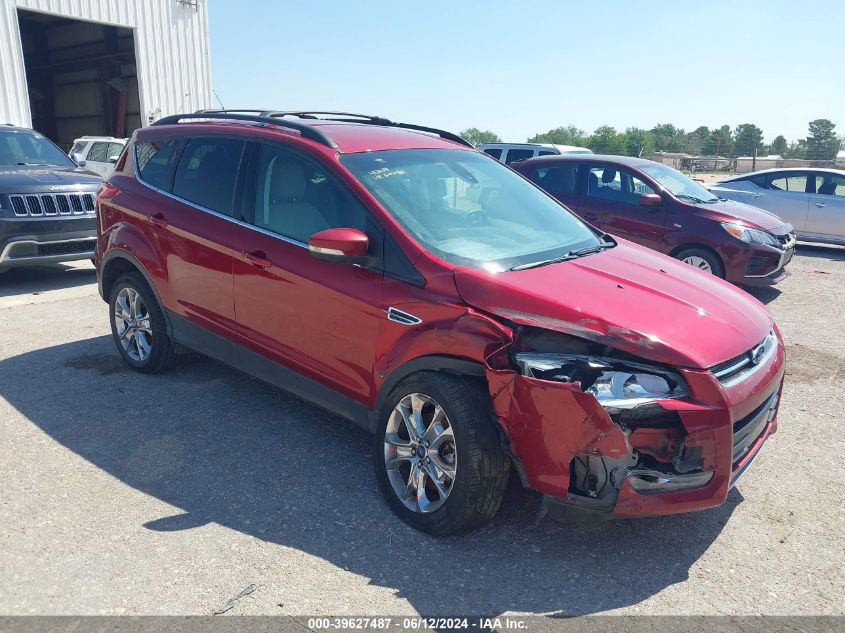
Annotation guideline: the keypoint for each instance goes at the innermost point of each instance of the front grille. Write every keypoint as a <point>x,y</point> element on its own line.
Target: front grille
<point>66,248</point>
<point>756,265</point>
<point>747,430</point>
<point>786,239</point>
<point>41,204</point>
<point>740,367</point>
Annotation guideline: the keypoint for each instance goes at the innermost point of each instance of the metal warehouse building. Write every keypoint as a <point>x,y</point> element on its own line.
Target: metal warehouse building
<point>70,68</point>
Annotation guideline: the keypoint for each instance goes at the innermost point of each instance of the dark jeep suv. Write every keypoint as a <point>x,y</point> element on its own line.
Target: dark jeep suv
<point>46,202</point>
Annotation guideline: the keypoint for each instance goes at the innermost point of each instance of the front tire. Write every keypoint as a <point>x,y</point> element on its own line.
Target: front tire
<point>138,326</point>
<point>438,458</point>
<point>703,259</point>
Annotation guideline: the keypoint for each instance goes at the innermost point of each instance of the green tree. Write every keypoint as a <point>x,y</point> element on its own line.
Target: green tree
<point>822,142</point>
<point>605,140</point>
<point>638,142</point>
<point>720,142</point>
<point>668,138</point>
<point>779,146</point>
<point>796,149</point>
<point>569,135</point>
<point>696,139</point>
<point>749,139</point>
<point>477,137</point>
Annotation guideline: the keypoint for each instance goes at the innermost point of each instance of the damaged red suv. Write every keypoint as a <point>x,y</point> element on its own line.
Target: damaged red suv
<point>396,277</point>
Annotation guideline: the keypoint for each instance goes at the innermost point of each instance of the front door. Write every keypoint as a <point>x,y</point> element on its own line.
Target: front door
<point>319,319</point>
<point>610,200</point>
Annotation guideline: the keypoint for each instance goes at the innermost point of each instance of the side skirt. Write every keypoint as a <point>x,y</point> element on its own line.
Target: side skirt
<point>219,348</point>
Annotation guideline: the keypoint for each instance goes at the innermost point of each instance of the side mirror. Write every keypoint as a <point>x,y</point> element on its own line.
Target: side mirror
<point>340,245</point>
<point>650,200</point>
<point>77,158</point>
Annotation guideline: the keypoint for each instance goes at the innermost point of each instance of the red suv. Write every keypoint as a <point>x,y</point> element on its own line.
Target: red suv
<point>396,277</point>
<point>656,206</point>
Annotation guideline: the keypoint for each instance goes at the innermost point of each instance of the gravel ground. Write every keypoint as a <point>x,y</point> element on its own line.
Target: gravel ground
<point>131,494</point>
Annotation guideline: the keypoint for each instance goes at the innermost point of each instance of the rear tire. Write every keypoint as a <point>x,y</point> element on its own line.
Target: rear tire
<point>702,259</point>
<point>457,454</point>
<point>138,326</point>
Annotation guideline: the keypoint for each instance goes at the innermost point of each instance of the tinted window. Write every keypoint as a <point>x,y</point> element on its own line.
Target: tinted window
<point>617,185</point>
<point>830,185</point>
<point>154,161</point>
<point>557,178</point>
<point>518,154</point>
<point>207,172</point>
<point>545,152</point>
<point>98,152</point>
<point>789,182</point>
<point>296,198</point>
<point>22,147</point>
<point>495,152</point>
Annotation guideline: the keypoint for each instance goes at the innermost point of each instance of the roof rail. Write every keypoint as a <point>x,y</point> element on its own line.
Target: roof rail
<point>306,131</point>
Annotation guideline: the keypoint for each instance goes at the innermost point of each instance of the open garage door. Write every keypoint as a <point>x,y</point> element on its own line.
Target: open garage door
<point>81,77</point>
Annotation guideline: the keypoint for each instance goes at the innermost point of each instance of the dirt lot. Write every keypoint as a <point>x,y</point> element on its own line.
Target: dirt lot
<point>135,494</point>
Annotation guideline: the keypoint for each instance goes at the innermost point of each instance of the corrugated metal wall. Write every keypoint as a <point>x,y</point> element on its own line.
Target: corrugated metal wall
<point>171,41</point>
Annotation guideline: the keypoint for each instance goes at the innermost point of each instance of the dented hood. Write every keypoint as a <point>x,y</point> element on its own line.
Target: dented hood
<point>630,298</point>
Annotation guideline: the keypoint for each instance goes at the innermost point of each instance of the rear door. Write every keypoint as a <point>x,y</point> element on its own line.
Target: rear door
<point>560,179</point>
<point>190,222</point>
<point>610,200</point>
<point>319,319</point>
<point>826,217</point>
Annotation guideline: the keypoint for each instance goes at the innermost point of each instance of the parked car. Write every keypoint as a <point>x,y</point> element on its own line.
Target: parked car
<point>404,281</point>
<point>46,202</point>
<point>659,207</point>
<point>512,152</point>
<point>812,200</point>
<point>97,153</point>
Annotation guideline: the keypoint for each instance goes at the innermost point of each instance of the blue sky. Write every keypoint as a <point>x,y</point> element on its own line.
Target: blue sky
<point>522,66</point>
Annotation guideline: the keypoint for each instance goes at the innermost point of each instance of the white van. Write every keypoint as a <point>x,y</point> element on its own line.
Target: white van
<point>512,152</point>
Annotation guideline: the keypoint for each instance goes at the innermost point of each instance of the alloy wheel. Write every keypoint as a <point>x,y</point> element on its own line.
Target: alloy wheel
<point>698,262</point>
<point>132,324</point>
<point>420,453</point>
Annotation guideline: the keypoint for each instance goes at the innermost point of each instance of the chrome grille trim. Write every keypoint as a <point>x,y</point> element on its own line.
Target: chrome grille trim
<point>36,205</point>
<point>735,370</point>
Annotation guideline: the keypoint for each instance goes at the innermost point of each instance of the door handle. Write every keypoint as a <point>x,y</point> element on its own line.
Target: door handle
<point>158,220</point>
<point>820,205</point>
<point>590,217</point>
<point>257,259</point>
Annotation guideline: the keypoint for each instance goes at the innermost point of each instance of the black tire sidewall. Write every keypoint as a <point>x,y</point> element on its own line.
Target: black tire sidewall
<point>160,343</point>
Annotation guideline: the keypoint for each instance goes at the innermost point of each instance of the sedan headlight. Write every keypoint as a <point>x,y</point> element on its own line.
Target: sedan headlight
<point>616,384</point>
<point>752,236</point>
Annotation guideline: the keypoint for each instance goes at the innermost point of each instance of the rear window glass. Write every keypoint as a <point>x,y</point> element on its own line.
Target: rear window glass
<point>207,173</point>
<point>154,161</point>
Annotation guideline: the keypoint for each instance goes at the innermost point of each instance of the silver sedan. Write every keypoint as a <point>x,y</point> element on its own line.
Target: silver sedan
<point>812,200</point>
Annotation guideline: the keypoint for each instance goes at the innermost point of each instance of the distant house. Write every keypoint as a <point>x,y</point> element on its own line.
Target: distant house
<point>748,163</point>
<point>678,160</point>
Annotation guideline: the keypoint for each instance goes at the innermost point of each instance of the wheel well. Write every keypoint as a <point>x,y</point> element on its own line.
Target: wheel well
<point>113,270</point>
<point>702,247</point>
<point>445,364</point>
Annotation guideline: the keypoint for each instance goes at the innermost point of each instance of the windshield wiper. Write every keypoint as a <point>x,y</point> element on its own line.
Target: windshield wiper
<point>684,196</point>
<point>581,252</point>
<point>35,164</point>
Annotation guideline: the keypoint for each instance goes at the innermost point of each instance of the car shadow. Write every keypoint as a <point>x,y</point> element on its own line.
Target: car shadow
<point>38,279</point>
<point>228,449</point>
<point>763,294</point>
<point>830,252</point>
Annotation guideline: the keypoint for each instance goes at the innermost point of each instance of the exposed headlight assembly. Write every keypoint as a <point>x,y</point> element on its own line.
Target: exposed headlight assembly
<point>752,236</point>
<point>616,384</point>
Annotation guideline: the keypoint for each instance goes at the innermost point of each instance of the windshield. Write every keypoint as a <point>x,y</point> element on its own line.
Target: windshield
<point>21,147</point>
<point>468,208</point>
<point>678,184</point>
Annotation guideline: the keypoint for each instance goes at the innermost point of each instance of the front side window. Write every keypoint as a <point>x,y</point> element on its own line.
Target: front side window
<point>296,198</point>
<point>616,185</point>
<point>796,183</point>
<point>25,148</point>
<point>98,153</point>
<point>114,151</point>
<point>154,160</point>
<point>207,172</point>
<point>678,184</point>
<point>468,209</point>
<point>518,154</point>
<point>560,179</point>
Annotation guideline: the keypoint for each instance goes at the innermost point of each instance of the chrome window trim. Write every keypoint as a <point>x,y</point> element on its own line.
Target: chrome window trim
<point>199,207</point>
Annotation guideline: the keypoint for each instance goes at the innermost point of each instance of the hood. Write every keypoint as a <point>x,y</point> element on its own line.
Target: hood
<point>40,179</point>
<point>731,210</point>
<point>630,298</point>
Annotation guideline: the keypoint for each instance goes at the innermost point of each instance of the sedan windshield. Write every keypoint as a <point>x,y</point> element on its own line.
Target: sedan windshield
<point>678,184</point>
<point>469,209</point>
<point>21,147</point>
